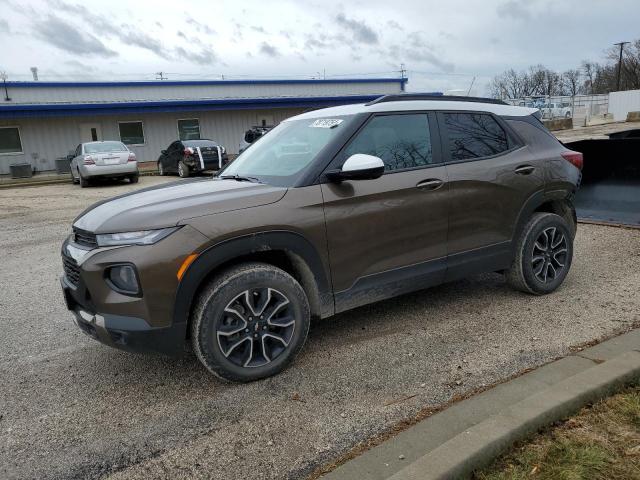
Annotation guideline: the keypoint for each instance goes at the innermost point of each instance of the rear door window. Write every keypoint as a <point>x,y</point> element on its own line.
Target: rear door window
<point>401,141</point>
<point>474,135</point>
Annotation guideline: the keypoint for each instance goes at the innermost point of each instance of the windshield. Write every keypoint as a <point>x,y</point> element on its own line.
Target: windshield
<point>104,147</point>
<point>281,156</point>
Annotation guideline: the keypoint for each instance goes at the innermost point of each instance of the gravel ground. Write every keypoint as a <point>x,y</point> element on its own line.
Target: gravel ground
<point>72,408</point>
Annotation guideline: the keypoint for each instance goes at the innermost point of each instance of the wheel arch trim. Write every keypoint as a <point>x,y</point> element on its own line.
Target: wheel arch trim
<point>303,255</point>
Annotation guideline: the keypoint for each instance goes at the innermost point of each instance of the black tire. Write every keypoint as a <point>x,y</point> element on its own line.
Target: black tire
<point>543,255</point>
<point>252,351</point>
<point>134,178</point>
<point>161,170</point>
<point>75,180</point>
<point>183,170</point>
<point>84,182</point>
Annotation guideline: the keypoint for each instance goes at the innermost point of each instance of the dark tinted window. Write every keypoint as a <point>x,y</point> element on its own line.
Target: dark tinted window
<point>474,135</point>
<point>401,141</point>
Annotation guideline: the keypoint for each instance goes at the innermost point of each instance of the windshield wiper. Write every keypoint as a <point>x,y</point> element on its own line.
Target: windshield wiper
<point>239,178</point>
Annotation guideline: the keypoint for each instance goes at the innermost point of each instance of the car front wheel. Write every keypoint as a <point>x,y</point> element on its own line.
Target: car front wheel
<point>543,255</point>
<point>161,171</point>
<point>250,322</point>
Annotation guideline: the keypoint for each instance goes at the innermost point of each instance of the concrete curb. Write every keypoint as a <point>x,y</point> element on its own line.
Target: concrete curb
<point>469,434</point>
<point>478,446</point>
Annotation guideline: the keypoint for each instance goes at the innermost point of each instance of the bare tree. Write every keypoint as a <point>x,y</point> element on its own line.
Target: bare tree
<point>571,81</point>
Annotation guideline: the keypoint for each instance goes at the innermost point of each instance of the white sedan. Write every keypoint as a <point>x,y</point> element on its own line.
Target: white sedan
<point>107,159</point>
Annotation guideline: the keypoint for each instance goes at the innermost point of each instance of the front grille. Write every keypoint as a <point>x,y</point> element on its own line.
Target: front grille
<point>71,270</point>
<point>87,239</point>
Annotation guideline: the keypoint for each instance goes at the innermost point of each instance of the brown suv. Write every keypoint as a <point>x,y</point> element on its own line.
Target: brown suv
<point>330,210</point>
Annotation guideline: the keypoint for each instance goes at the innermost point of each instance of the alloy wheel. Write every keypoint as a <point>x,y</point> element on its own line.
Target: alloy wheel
<point>256,327</point>
<point>549,254</point>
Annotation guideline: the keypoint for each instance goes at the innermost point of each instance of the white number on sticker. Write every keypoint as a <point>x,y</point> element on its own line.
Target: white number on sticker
<point>326,123</point>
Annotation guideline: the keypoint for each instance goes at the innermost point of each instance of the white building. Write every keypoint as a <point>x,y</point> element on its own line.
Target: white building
<point>42,121</point>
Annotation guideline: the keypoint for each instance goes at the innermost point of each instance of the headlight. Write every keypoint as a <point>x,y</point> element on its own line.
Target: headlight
<point>142,237</point>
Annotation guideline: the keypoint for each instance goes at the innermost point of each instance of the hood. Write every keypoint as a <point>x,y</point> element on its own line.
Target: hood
<point>166,205</point>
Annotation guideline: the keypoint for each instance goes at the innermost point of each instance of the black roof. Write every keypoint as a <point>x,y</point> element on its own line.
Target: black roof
<point>402,97</point>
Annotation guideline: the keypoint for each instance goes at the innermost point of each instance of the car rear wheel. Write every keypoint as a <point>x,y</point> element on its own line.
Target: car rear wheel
<point>183,170</point>
<point>543,255</point>
<point>250,322</point>
<point>134,178</point>
<point>84,182</point>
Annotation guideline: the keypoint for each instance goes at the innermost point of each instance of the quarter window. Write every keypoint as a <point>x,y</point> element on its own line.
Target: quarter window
<point>131,133</point>
<point>189,129</point>
<point>10,140</point>
<point>401,141</point>
<point>474,135</point>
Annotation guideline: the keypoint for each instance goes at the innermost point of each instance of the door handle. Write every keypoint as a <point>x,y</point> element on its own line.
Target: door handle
<point>430,184</point>
<point>525,169</point>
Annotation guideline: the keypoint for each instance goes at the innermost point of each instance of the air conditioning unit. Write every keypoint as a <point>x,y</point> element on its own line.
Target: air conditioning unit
<point>63,165</point>
<point>21,170</point>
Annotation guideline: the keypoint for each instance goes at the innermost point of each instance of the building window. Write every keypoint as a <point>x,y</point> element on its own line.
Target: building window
<point>131,133</point>
<point>189,129</point>
<point>474,135</point>
<point>10,140</point>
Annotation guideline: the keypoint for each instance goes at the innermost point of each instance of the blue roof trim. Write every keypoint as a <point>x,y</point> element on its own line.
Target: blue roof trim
<point>64,110</point>
<point>168,83</point>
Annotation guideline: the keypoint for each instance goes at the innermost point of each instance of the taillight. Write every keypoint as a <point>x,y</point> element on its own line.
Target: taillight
<point>88,160</point>
<point>132,157</point>
<point>574,158</point>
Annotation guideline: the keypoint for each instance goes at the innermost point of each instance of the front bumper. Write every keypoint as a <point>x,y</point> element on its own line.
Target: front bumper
<point>143,323</point>
<point>123,332</point>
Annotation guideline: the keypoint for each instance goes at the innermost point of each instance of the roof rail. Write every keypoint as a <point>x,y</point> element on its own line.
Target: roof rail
<point>430,96</point>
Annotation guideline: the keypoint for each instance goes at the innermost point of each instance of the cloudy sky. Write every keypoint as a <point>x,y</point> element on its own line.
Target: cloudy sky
<point>443,44</point>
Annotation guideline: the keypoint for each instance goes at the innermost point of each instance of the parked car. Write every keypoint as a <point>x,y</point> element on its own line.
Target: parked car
<point>187,157</point>
<point>332,209</point>
<point>106,159</point>
<point>555,110</point>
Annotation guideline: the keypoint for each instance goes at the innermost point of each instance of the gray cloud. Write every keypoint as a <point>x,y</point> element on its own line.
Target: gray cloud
<point>416,49</point>
<point>201,27</point>
<point>394,24</point>
<point>4,26</point>
<point>126,33</point>
<point>514,9</point>
<point>66,37</point>
<point>203,57</point>
<point>258,29</point>
<point>360,31</point>
<point>269,50</point>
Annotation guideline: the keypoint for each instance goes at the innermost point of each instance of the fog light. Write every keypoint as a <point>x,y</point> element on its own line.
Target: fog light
<point>123,279</point>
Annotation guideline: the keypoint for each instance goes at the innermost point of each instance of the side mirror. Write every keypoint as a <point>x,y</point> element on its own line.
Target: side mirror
<point>358,166</point>
<point>164,152</point>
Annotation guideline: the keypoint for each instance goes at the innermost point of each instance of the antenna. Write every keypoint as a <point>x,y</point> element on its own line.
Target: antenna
<point>160,76</point>
<point>3,77</point>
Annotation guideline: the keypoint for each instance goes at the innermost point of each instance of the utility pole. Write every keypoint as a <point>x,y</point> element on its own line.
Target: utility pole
<point>160,76</point>
<point>621,44</point>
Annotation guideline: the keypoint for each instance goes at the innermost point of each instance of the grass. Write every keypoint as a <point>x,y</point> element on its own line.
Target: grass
<point>602,442</point>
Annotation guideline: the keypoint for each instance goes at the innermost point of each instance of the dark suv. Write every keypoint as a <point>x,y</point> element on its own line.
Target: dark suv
<point>330,210</point>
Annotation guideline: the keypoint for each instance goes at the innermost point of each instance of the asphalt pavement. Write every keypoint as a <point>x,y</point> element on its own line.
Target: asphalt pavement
<point>72,408</point>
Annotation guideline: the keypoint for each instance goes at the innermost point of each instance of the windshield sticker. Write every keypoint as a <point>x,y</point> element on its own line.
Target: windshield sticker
<point>326,123</point>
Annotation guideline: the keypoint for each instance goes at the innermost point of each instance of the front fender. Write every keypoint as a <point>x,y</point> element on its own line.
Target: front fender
<point>291,243</point>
